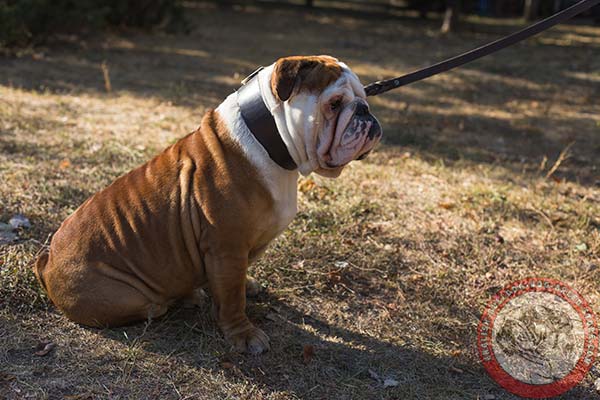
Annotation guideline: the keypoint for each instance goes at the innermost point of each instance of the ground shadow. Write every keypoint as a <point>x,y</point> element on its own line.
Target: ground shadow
<point>347,362</point>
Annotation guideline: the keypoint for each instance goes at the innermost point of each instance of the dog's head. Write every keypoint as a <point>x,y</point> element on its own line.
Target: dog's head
<point>326,108</point>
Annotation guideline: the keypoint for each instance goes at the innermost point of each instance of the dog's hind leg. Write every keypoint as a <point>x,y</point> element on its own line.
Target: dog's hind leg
<point>253,287</point>
<point>90,296</point>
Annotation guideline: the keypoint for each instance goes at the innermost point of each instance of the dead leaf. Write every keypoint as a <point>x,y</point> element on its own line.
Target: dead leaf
<point>581,247</point>
<point>64,164</point>
<point>19,221</point>
<point>307,185</point>
<point>308,352</point>
<point>447,205</point>
<point>227,364</point>
<point>321,193</point>
<point>298,265</point>
<point>374,375</point>
<point>390,382</point>
<point>272,317</point>
<point>6,377</point>
<point>44,348</point>
<point>334,276</point>
<point>277,309</point>
<point>457,370</point>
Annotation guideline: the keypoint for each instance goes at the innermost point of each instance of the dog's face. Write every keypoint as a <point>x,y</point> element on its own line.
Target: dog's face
<point>326,104</point>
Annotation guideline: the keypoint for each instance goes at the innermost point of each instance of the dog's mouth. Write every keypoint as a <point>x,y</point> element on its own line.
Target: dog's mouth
<point>363,155</point>
<point>359,135</point>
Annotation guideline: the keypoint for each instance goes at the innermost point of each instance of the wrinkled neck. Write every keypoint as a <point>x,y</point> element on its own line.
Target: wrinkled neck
<point>294,127</point>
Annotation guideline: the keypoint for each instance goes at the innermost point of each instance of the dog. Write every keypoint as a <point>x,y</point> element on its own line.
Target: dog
<point>199,213</point>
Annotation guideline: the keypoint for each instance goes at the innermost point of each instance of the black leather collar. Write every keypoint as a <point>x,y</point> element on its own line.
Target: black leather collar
<point>261,123</point>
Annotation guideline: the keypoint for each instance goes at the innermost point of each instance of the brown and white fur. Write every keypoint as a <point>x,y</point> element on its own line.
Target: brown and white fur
<point>201,211</point>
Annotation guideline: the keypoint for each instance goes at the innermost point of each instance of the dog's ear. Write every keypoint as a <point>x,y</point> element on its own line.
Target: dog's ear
<point>312,73</point>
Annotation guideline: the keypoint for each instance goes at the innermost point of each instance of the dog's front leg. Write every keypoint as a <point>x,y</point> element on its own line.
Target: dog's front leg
<point>227,282</point>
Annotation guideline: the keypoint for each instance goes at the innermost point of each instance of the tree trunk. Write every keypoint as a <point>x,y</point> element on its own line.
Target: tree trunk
<point>557,4</point>
<point>309,3</point>
<point>531,11</point>
<point>453,8</point>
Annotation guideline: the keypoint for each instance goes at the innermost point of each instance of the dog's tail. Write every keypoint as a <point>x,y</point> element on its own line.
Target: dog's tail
<point>38,268</point>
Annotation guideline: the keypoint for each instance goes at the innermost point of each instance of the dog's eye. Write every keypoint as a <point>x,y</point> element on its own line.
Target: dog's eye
<point>336,104</point>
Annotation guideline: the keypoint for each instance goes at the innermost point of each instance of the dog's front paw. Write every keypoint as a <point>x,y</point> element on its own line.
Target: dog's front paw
<point>253,341</point>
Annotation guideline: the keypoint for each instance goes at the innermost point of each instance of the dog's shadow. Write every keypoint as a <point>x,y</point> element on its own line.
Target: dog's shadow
<point>309,357</point>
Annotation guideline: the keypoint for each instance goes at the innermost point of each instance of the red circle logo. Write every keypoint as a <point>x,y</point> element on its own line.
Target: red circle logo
<point>537,338</point>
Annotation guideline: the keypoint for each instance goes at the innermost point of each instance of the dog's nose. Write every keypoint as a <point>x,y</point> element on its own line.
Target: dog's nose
<point>375,130</point>
<point>361,110</point>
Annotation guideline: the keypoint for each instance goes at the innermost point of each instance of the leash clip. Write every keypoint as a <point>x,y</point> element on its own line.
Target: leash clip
<point>252,75</point>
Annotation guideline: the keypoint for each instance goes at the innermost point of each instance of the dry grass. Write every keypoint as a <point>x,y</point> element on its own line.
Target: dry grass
<point>386,269</point>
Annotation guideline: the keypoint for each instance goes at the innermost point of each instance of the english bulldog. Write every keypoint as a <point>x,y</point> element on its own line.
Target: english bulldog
<point>200,212</point>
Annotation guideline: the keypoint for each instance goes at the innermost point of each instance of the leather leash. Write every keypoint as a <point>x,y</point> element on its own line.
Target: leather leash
<point>380,87</point>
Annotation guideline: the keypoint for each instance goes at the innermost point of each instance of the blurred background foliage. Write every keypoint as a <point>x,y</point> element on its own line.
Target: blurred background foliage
<point>25,22</point>
<point>30,21</point>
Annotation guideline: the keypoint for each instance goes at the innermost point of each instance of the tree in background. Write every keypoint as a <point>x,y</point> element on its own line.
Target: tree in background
<point>453,10</point>
<point>531,11</point>
<point>30,21</point>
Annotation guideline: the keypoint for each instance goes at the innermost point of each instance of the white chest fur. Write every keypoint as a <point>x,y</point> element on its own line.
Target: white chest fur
<point>281,183</point>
